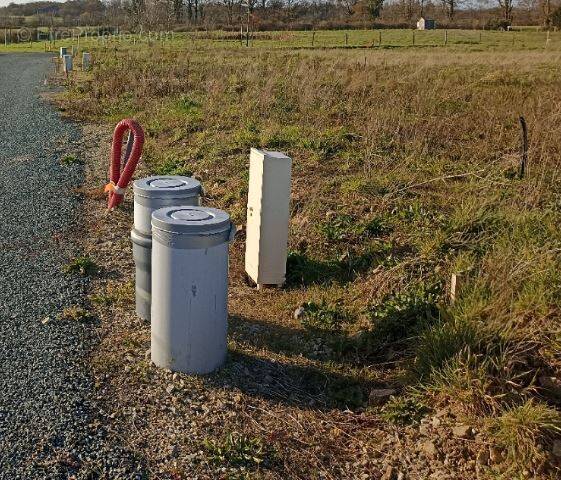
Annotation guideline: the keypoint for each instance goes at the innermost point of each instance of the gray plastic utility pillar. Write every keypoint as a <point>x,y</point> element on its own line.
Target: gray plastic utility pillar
<point>190,288</point>
<point>150,194</point>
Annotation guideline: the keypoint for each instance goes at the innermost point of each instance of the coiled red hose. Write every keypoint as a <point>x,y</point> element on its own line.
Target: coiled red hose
<point>120,179</point>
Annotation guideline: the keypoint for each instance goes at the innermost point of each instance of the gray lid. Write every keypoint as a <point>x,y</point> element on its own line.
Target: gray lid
<point>167,186</point>
<point>191,220</point>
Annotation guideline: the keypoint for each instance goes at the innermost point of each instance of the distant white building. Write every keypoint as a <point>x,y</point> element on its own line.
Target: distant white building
<point>426,24</point>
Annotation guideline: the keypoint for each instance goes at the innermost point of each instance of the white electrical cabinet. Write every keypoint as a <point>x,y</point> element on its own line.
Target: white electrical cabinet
<point>267,217</point>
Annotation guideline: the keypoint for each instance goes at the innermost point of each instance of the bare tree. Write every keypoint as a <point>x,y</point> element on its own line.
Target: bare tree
<point>348,5</point>
<point>230,6</point>
<point>449,8</point>
<point>546,8</point>
<point>177,9</point>
<point>506,7</point>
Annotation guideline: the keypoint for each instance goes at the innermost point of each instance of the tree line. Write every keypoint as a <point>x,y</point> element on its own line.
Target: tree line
<point>283,14</point>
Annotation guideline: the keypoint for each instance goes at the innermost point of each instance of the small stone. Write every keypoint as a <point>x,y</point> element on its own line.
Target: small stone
<point>424,430</point>
<point>190,457</point>
<point>389,474</point>
<point>462,431</point>
<point>175,377</point>
<point>436,422</point>
<point>299,312</point>
<point>268,379</point>
<point>147,354</point>
<point>483,457</point>
<point>441,413</point>
<point>379,396</point>
<point>46,320</point>
<point>400,476</point>
<point>429,449</point>
<point>556,449</point>
<point>170,389</point>
<point>174,452</point>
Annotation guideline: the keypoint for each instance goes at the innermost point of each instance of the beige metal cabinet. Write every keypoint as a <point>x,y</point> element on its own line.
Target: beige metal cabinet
<point>267,217</point>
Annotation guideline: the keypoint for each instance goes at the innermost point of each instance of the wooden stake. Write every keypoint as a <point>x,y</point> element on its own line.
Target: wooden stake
<point>524,159</point>
<point>455,287</point>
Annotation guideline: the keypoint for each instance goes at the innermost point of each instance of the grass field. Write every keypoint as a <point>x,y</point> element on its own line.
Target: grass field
<point>405,172</point>
<point>461,40</point>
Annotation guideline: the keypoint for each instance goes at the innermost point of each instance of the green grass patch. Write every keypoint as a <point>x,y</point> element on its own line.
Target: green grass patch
<point>82,265</point>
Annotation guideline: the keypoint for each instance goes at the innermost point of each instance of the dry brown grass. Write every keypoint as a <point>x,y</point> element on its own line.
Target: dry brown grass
<point>404,172</point>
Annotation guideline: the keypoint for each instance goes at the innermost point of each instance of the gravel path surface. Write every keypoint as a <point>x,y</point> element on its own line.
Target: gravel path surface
<point>49,422</point>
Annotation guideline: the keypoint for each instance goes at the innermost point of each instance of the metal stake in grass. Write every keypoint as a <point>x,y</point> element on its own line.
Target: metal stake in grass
<point>524,159</point>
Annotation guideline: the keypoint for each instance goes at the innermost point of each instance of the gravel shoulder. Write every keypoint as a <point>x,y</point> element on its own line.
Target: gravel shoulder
<point>50,423</point>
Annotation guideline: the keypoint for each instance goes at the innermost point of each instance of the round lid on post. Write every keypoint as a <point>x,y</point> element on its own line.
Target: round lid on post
<point>191,220</point>
<point>167,186</point>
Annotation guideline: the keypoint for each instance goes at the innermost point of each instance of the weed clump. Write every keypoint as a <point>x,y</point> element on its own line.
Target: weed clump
<point>236,450</point>
<point>70,160</point>
<point>320,316</point>
<point>404,410</point>
<point>402,315</point>
<point>525,431</point>
<point>75,313</point>
<point>82,265</point>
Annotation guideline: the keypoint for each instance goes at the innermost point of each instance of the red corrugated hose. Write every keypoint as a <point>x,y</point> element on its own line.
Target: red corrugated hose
<point>120,179</point>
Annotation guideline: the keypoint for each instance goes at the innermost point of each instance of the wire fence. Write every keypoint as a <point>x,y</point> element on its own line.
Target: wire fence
<point>388,38</point>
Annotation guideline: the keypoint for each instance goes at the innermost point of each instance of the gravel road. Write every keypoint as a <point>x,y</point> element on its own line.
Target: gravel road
<point>49,422</point>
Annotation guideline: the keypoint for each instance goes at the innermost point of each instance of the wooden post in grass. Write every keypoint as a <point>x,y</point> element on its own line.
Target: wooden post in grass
<point>346,39</point>
<point>547,39</point>
<point>413,37</point>
<point>524,158</point>
<point>480,37</point>
<point>380,38</point>
<point>455,287</point>
<point>445,37</point>
<point>313,38</point>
